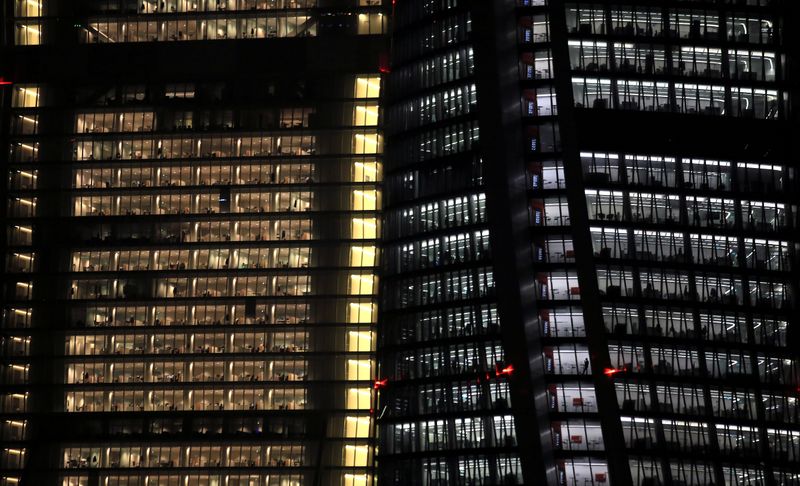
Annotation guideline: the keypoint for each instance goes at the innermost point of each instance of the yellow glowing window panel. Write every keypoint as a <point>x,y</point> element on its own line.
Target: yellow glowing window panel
<point>368,87</point>
<point>359,341</point>
<point>366,115</point>
<point>28,8</point>
<point>361,313</point>
<point>363,284</point>
<point>363,256</point>
<point>359,369</point>
<point>366,143</point>
<point>367,171</point>
<point>364,228</point>
<point>359,398</point>
<point>357,427</point>
<point>357,480</point>
<point>356,455</point>
<point>372,23</point>
<point>26,96</point>
<point>28,33</point>
<point>368,200</point>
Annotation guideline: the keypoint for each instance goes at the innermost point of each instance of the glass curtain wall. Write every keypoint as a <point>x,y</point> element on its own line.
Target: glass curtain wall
<point>691,249</point>
<point>444,408</point>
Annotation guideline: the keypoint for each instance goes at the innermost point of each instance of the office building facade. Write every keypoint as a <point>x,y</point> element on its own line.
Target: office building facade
<point>443,421</point>
<point>190,244</point>
<point>590,237</point>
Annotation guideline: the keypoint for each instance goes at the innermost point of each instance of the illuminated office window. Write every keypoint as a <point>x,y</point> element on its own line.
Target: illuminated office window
<point>28,33</point>
<point>357,427</point>
<point>26,96</point>
<point>27,124</point>
<point>358,398</point>
<point>75,481</point>
<point>367,171</point>
<point>366,200</point>
<point>366,143</point>
<point>363,256</point>
<point>361,313</point>
<point>364,228</point>
<point>356,455</point>
<point>363,284</point>
<point>368,87</point>
<point>356,479</point>
<point>359,369</point>
<point>28,8</point>
<point>372,23</point>
<point>360,341</point>
<point>366,115</point>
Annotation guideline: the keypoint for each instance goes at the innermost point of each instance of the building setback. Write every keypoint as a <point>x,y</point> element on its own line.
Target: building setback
<point>590,244</point>
<point>190,242</point>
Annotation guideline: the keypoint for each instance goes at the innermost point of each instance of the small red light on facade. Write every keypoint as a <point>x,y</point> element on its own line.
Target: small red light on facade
<point>612,371</point>
<point>507,371</point>
<point>3,82</point>
<point>380,383</point>
<point>384,63</point>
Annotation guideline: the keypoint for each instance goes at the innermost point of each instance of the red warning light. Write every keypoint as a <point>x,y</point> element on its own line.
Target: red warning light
<point>612,371</point>
<point>384,63</point>
<point>380,383</point>
<point>3,82</point>
<point>507,371</point>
